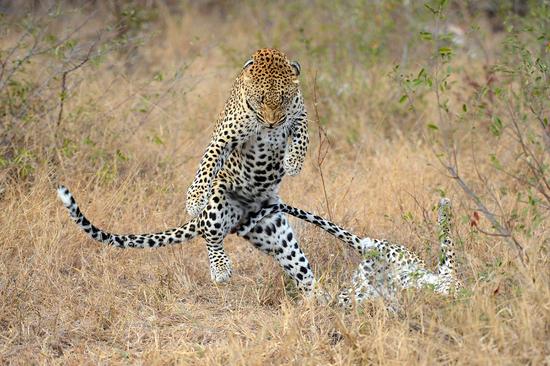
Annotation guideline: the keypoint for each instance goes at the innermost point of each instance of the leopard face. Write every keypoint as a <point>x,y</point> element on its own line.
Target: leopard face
<point>270,86</point>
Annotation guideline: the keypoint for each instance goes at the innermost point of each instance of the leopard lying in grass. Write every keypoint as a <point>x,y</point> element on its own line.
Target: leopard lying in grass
<point>386,267</point>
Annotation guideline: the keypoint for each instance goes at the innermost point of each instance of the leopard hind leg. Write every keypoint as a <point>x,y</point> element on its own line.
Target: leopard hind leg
<point>220,215</point>
<point>273,235</point>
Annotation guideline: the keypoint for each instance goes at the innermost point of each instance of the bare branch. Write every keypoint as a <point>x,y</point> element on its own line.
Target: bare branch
<point>545,129</point>
<point>63,93</point>
<point>491,233</point>
<point>36,51</point>
<point>537,171</point>
<point>504,232</point>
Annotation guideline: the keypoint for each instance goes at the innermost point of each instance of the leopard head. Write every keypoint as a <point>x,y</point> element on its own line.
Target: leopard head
<point>270,86</point>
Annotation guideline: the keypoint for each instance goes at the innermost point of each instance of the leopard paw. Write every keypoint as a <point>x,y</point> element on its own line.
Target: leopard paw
<point>292,166</point>
<point>197,199</point>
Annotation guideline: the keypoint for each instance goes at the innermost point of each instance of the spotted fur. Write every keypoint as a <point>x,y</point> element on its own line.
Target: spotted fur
<point>260,136</point>
<point>386,267</point>
<point>173,236</point>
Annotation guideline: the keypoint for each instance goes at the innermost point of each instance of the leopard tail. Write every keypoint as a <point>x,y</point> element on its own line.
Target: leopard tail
<point>176,235</point>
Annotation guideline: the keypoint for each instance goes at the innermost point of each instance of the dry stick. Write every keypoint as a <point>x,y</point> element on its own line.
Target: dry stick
<point>354,170</point>
<point>19,63</point>
<point>545,129</point>
<point>502,231</point>
<point>63,93</point>
<point>485,182</point>
<point>425,214</point>
<point>10,53</point>
<point>538,170</point>
<point>323,139</point>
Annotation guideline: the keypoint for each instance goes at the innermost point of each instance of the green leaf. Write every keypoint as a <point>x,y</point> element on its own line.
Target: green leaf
<point>50,39</point>
<point>495,161</point>
<point>158,76</point>
<point>496,126</point>
<point>445,51</point>
<point>426,36</point>
<point>120,155</point>
<point>372,253</point>
<point>431,126</point>
<point>157,140</point>
<point>421,73</point>
<point>464,108</point>
<point>89,141</point>
<point>408,216</point>
<point>403,98</point>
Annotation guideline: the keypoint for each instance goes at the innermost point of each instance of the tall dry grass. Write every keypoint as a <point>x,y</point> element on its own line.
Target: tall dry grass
<point>134,125</point>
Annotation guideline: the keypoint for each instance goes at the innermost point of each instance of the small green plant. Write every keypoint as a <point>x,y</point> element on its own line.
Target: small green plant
<point>509,109</point>
<point>372,254</point>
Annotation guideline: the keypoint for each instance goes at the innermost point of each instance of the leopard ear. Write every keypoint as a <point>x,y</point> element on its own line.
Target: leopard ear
<point>248,63</point>
<point>296,66</point>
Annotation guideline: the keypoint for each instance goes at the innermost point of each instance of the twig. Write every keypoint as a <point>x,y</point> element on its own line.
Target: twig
<point>35,50</point>
<point>504,232</point>
<point>10,53</point>
<point>63,93</point>
<point>545,129</point>
<point>538,170</point>
<point>323,140</point>
<point>489,233</point>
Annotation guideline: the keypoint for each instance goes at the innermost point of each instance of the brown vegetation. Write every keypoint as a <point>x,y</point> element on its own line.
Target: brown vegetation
<point>118,103</point>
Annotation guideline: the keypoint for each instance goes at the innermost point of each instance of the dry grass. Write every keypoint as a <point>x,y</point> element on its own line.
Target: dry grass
<point>65,299</point>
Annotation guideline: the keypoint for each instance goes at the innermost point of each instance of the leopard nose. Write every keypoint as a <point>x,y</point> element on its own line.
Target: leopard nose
<point>271,116</point>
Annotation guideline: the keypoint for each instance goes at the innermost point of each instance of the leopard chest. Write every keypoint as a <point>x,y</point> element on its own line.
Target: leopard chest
<point>257,165</point>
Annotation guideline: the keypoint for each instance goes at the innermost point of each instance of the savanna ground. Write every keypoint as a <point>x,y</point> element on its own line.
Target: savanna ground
<point>407,101</point>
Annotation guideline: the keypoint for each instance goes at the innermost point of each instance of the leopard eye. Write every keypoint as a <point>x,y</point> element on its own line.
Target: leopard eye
<point>296,66</point>
<point>248,63</point>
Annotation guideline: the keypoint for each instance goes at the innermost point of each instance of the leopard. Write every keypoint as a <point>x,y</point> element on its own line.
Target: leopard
<point>386,267</point>
<point>260,136</point>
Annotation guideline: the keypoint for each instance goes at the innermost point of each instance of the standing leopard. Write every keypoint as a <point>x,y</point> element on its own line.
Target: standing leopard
<point>386,267</point>
<point>260,136</point>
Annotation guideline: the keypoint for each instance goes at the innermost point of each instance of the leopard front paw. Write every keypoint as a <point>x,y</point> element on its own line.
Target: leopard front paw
<point>292,166</point>
<point>197,199</point>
